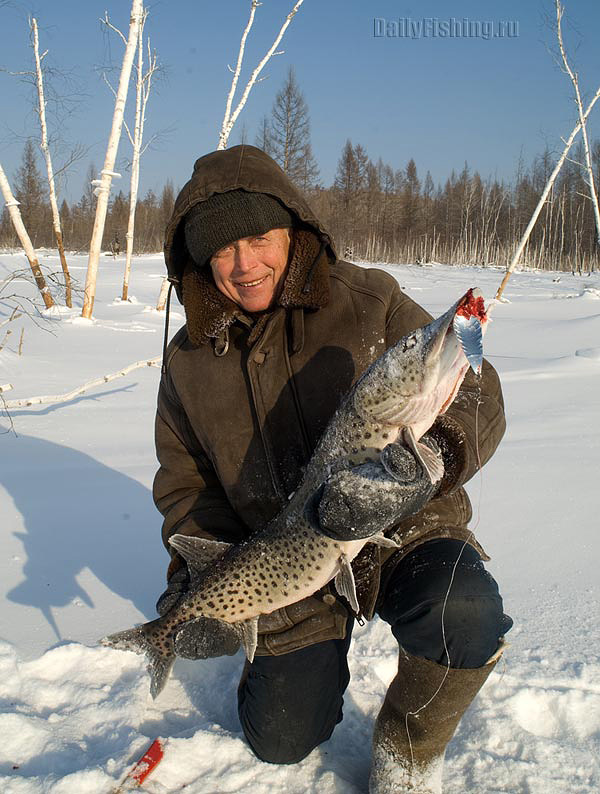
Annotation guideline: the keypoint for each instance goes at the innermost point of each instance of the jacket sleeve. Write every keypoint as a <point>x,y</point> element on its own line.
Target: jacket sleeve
<point>472,427</point>
<point>186,488</point>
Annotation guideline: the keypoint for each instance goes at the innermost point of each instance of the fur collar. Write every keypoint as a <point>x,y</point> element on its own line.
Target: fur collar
<point>209,313</point>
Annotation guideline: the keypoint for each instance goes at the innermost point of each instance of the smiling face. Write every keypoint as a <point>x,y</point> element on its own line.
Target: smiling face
<point>250,271</point>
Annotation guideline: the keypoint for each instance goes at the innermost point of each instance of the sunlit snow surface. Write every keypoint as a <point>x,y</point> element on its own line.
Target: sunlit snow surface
<point>81,557</point>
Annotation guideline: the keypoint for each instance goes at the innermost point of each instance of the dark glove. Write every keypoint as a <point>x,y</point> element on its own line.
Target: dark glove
<point>201,638</point>
<point>314,619</point>
<point>205,638</point>
<point>452,443</point>
<point>371,498</point>
<point>177,586</point>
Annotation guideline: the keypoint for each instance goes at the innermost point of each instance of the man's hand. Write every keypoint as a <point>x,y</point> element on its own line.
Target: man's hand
<point>177,586</point>
<point>314,619</point>
<point>204,638</point>
<point>201,638</point>
<point>359,502</point>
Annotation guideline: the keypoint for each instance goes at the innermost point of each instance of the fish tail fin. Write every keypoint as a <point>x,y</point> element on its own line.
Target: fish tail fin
<point>160,661</point>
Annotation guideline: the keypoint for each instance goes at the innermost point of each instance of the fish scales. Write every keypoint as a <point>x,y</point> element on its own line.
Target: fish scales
<point>398,397</point>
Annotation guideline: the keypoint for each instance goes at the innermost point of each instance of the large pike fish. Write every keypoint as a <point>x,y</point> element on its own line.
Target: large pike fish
<point>397,399</point>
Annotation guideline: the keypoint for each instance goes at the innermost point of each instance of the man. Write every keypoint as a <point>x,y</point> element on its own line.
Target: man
<point>277,330</point>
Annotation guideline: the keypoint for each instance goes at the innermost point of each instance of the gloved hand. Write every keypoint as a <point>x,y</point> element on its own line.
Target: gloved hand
<point>201,638</point>
<point>313,619</point>
<point>372,497</point>
<point>177,586</point>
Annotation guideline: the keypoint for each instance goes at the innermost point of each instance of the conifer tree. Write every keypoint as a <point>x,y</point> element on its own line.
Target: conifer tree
<point>29,190</point>
<point>289,134</point>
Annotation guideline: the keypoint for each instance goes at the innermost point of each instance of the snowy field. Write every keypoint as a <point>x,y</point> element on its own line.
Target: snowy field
<point>81,557</point>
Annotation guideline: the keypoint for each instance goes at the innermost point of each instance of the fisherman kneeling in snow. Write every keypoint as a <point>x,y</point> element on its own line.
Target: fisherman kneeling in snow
<point>277,331</point>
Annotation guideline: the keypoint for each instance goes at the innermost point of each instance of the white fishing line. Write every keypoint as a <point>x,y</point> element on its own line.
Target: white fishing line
<point>452,575</point>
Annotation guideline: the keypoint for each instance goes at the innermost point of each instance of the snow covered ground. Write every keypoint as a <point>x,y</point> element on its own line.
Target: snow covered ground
<point>81,557</point>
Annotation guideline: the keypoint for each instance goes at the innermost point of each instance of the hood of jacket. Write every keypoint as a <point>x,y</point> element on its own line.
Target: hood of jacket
<point>208,311</point>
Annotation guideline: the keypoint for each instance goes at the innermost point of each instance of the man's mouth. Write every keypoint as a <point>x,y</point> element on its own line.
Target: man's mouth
<point>249,284</point>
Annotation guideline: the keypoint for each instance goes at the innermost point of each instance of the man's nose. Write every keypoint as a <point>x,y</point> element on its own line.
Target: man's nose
<point>245,259</point>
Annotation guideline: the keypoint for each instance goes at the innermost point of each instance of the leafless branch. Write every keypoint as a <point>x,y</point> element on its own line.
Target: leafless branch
<point>230,117</point>
<point>63,398</point>
<point>106,21</point>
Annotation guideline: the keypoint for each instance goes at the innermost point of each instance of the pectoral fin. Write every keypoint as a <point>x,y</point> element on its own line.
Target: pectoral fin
<point>431,462</point>
<point>344,582</point>
<point>249,636</point>
<point>381,540</point>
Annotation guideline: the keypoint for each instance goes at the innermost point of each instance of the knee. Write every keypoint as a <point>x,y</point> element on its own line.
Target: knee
<point>289,704</point>
<point>472,626</point>
<point>275,745</point>
<point>446,612</point>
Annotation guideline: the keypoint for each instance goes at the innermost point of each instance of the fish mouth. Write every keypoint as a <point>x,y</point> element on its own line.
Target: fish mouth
<point>459,331</point>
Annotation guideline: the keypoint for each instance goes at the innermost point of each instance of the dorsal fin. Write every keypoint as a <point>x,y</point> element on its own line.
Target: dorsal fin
<point>199,553</point>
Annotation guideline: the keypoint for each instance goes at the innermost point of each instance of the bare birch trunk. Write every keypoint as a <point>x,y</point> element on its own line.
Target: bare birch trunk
<point>48,158</point>
<point>162,298</point>
<point>135,163</point>
<point>545,193</point>
<point>109,162</point>
<point>143,86</point>
<point>15,216</point>
<point>586,145</point>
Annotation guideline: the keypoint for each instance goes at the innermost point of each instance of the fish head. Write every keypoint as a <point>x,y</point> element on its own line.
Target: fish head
<point>456,337</point>
<point>419,376</point>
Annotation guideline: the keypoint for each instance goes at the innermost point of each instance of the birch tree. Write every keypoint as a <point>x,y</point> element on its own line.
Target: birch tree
<point>545,193</point>
<point>574,77</point>
<point>143,85</point>
<point>581,125</point>
<point>107,173</point>
<point>41,111</point>
<point>231,115</point>
<point>15,215</point>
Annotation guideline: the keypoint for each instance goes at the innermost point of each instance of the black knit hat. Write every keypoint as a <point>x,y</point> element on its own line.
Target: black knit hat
<point>226,217</point>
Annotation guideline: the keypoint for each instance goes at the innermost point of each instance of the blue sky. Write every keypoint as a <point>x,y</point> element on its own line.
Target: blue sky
<point>438,99</point>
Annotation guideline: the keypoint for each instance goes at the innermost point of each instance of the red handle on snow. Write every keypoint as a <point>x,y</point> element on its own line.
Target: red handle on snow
<point>142,768</point>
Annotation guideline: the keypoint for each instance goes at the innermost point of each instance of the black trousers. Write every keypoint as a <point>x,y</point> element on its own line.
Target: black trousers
<point>442,605</point>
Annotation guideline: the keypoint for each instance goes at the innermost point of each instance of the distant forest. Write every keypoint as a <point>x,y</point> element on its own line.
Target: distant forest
<point>375,211</point>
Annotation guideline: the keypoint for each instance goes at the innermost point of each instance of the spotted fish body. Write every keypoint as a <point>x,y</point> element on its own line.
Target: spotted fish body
<point>397,398</point>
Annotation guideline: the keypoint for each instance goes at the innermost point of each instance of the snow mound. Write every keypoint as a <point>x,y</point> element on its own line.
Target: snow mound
<point>589,352</point>
<point>57,311</point>
<point>591,293</point>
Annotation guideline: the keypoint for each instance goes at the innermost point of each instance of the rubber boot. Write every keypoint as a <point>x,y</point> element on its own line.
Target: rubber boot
<point>420,713</point>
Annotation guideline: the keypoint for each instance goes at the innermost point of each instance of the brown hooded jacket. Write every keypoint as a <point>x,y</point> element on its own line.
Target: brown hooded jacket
<point>245,399</point>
